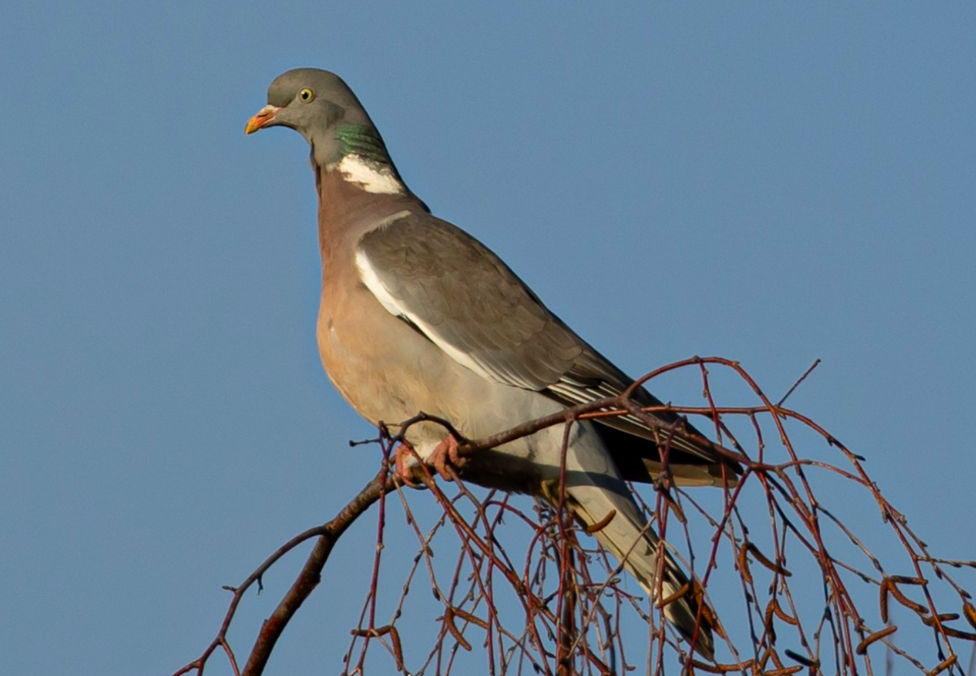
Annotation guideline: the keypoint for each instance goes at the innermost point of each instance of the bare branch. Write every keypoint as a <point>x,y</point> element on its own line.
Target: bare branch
<point>530,590</point>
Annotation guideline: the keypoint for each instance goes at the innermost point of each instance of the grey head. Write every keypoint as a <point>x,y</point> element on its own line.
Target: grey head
<point>321,107</point>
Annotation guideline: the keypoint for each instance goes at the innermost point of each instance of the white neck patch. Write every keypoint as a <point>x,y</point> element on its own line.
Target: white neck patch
<point>355,170</point>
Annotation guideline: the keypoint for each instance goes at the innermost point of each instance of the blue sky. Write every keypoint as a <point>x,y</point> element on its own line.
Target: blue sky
<point>768,182</point>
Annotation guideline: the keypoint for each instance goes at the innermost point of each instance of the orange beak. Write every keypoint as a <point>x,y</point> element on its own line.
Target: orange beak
<point>262,119</point>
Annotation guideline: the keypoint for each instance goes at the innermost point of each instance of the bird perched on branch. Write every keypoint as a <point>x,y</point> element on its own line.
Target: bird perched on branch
<point>417,315</point>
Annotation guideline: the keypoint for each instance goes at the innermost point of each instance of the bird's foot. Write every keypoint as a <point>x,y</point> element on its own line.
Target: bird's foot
<point>406,466</point>
<point>445,458</point>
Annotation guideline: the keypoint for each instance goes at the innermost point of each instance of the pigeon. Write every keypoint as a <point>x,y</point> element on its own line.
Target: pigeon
<point>416,315</point>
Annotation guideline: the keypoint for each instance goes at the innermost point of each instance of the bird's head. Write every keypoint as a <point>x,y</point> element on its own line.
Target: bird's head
<point>321,107</point>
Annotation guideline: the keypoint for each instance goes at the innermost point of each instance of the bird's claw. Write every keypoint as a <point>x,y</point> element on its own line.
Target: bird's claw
<point>444,459</point>
<point>405,470</point>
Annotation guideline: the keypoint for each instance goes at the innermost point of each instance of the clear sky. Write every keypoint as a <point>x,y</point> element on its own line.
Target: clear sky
<point>770,182</point>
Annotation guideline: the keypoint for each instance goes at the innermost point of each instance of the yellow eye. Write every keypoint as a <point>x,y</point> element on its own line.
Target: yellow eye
<point>306,95</point>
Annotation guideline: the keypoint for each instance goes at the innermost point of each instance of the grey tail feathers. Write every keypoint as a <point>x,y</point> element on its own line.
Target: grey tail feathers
<point>628,537</point>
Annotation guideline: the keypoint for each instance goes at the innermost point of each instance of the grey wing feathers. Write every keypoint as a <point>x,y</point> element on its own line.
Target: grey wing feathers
<point>467,301</point>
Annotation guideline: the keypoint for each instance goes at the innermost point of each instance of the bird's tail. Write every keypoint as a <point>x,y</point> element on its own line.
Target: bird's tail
<point>605,503</point>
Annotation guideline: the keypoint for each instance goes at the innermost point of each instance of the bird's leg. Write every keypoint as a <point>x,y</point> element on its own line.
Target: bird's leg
<point>445,458</point>
<point>405,465</point>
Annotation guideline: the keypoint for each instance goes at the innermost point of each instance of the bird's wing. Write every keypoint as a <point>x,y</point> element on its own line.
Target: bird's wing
<point>464,299</point>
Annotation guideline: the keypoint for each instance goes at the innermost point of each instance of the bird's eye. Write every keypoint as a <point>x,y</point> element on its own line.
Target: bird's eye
<point>306,95</point>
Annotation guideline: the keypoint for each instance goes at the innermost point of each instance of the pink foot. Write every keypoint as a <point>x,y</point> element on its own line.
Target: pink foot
<point>445,458</point>
<point>405,461</point>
